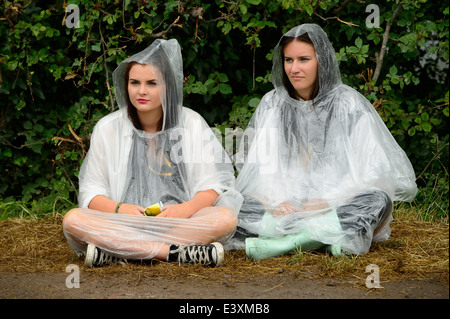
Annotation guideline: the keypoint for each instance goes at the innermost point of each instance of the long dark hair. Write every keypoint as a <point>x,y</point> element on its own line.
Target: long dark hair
<point>286,82</point>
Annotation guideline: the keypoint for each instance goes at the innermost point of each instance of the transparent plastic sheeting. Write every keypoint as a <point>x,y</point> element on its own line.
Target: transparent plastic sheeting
<point>332,155</point>
<point>141,237</point>
<point>172,165</point>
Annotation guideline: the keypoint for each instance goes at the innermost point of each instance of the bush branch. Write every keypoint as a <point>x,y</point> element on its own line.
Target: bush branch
<point>379,57</point>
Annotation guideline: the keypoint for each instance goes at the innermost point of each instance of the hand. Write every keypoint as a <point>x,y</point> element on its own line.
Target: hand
<point>314,204</point>
<point>283,209</point>
<point>185,210</point>
<point>175,210</point>
<point>131,209</point>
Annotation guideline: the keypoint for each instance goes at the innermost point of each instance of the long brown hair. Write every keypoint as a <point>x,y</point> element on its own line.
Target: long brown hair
<point>286,82</point>
<point>131,109</point>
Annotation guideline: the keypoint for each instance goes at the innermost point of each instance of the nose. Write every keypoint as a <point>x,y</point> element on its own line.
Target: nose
<point>295,67</point>
<point>142,90</point>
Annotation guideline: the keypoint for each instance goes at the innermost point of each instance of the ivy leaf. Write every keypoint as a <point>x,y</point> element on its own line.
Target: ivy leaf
<point>225,88</point>
<point>223,77</point>
<point>243,8</point>
<point>445,111</point>
<point>426,126</point>
<point>27,125</point>
<point>254,102</point>
<point>393,70</point>
<point>96,47</point>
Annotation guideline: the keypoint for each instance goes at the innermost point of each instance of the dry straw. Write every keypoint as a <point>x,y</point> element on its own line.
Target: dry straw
<point>416,249</point>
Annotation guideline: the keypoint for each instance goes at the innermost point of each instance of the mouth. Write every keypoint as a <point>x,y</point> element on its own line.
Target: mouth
<point>142,101</point>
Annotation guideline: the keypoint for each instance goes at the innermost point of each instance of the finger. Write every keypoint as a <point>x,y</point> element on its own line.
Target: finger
<point>162,214</point>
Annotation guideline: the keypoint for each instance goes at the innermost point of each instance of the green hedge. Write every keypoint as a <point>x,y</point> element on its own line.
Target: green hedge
<point>56,81</point>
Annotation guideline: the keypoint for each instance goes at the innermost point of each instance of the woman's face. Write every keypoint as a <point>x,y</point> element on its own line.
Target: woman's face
<point>300,65</point>
<point>144,90</point>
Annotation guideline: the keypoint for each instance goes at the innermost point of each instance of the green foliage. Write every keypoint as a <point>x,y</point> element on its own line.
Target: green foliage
<point>56,81</point>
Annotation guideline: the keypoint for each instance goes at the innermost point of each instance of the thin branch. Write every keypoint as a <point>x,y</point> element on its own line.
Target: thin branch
<point>111,99</point>
<point>9,22</point>
<point>438,152</point>
<point>254,67</point>
<point>225,16</point>
<point>85,54</point>
<point>78,140</point>
<point>71,182</point>
<point>160,34</point>
<point>341,7</point>
<point>6,142</point>
<point>380,56</point>
<point>337,18</point>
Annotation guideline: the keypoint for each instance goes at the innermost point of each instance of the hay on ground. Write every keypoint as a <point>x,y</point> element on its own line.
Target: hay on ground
<point>416,249</point>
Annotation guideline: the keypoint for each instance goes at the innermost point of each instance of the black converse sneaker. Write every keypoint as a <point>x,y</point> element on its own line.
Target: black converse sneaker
<point>209,255</point>
<point>96,257</point>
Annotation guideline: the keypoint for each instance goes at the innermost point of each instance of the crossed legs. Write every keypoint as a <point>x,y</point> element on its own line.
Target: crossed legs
<point>142,237</point>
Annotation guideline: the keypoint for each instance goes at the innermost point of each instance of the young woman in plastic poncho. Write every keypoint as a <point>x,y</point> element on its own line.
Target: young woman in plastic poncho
<point>318,167</point>
<point>152,149</point>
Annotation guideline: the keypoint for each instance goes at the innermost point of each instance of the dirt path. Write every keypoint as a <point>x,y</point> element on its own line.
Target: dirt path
<point>283,286</point>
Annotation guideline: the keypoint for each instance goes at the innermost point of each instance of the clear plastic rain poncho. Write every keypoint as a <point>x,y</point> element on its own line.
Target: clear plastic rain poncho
<point>334,149</point>
<point>133,166</point>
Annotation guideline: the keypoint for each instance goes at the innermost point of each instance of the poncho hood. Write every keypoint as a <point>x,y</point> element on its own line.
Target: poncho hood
<point>165,56</point>
<point>328,70</point>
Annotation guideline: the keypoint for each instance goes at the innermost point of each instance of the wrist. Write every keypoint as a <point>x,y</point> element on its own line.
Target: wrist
<point>116,209</point>
<point>188,209</point>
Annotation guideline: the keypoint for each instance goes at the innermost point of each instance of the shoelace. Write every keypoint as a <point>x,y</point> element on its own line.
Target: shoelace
<point>195,254</point>
<point>105,258</point>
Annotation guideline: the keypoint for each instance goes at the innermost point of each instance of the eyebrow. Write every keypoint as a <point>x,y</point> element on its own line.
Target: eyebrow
<point>300,56</point>
<point>152,80</point>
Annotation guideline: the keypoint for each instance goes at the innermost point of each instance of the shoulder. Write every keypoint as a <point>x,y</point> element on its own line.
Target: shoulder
<point>111,119</point>
<point>268,102</point>
<point>344,91</point>
<point>188,113</point>
<point>191,117</point>
<point>269,98</point>
<point>113,123</point>
<point>351,100</point>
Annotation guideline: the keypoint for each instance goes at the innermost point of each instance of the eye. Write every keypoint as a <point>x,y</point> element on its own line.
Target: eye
<point>152,83</point>
<point>134,82</point>
<point>288,60</point>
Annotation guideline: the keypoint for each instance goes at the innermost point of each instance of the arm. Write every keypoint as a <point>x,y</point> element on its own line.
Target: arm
<point>310,205</point>
<point>104,204</point>
<point>185,210</point>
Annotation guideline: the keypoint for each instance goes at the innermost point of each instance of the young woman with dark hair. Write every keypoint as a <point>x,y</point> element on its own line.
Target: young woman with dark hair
<point>318,168</point>
<point>152,150</point>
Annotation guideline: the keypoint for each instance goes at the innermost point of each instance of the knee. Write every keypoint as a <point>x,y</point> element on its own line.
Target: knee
<point>71,218</point>
<point>226,219</point>
<point>230,218</point>
<point>382,200</point>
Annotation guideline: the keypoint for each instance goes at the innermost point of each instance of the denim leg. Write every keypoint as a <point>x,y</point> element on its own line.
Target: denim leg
<point>365,212</point>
